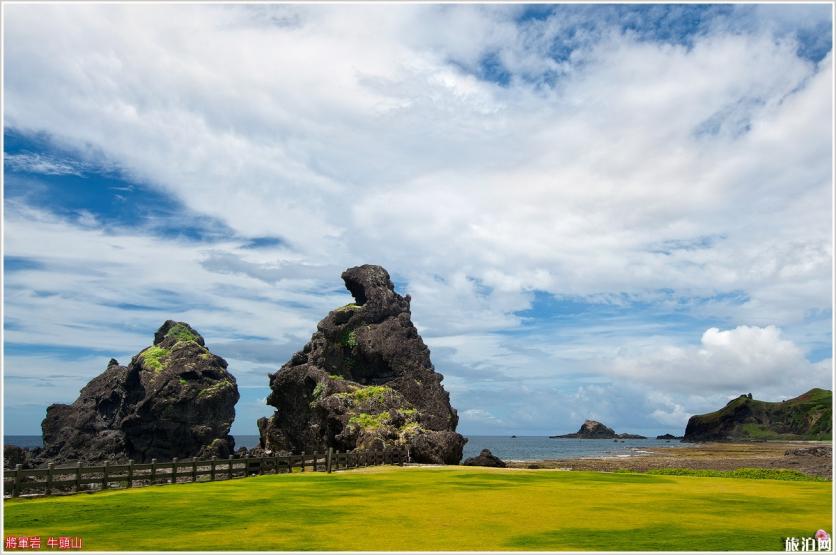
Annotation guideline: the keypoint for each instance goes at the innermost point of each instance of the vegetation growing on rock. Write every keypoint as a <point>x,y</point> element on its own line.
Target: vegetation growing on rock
<point>806,417</point>
<point>154,358</point>
<point>181,332</point>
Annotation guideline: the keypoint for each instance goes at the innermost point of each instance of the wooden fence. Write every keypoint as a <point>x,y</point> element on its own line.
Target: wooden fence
<point>81,478</point>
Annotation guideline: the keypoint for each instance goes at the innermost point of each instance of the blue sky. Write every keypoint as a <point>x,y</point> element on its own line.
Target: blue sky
<point>620,212</point>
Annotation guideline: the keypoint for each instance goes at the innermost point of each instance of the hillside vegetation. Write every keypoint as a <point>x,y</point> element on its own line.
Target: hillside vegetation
<point>806,417</point>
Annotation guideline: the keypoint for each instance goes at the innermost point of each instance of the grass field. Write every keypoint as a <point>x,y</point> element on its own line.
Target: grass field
<point>446,508</point>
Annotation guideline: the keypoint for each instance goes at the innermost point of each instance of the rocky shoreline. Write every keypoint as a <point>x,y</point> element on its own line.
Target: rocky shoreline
<point>812,458</point>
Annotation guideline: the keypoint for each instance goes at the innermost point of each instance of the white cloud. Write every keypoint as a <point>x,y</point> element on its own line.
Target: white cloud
<point>38,163</point>
<point>747,358</point>
<point>479,416</point>
<point>385,147</point>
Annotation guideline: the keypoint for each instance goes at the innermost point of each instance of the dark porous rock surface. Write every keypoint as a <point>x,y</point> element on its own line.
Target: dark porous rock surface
<point>818,451</point>
<point>174,399</point>
<point>592,429</point>
<point>485,458</point>
<point>23,456</point>
<point>364,381</point>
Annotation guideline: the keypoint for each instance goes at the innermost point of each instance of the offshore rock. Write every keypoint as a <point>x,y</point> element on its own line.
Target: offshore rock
<point>592,429</point>
<point>174,399</point>
<point>485,458</point>
<point>364,381</point>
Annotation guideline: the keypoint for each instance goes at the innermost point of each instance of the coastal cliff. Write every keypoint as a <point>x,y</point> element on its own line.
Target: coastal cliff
<point>806,417</point>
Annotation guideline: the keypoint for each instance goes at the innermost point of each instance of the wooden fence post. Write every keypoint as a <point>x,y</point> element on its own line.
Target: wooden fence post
<point>131,473</point>
<point>304,455</point>
<point>194,469</point>
<point>153,471</point>
<point>174,470</point>
<point>77,476</point>
<point>49,468</point>
<point>212,469</point>
<point>16,488</point>
<point>315,460</point>
<point>105,474</point>
<point>328,456</point>
<point>229,472</point>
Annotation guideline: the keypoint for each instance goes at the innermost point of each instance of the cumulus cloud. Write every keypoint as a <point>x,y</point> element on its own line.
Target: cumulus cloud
<point>744,358</point>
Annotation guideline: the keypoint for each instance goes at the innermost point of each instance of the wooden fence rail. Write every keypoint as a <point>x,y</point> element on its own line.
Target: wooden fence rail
<point>78,478</point>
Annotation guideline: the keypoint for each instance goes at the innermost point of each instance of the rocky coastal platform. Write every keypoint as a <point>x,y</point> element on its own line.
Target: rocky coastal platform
<point>812,458</point>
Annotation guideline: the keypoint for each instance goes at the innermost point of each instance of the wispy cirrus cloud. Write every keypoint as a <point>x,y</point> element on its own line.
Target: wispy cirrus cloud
<point>42,164</point>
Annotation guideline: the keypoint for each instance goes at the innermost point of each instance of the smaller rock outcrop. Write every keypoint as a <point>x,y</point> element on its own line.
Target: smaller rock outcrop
<point>668,436</point>
<point>23,456</point>
<point>174,399</point>
<point>485,458</point>
<point>592,429</point>
<point>818,451</point>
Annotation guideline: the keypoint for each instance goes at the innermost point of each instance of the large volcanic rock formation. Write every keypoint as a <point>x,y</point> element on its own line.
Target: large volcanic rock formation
<point>174,399</point>
<point>364,381</point>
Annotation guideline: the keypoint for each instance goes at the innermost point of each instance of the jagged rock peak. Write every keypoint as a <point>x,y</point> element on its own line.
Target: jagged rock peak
<point>374,292</point>
<point>177,331</point>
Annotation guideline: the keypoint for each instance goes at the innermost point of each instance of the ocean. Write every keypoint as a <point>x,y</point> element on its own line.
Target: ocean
<point>522,448</point>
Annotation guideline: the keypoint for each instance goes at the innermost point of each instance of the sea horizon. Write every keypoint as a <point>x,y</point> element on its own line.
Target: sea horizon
<point>512,448</point>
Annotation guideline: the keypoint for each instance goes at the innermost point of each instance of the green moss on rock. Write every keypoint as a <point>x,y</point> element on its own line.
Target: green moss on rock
<point>369,422</point>
<point>349,339</point>
<point>370,393</point>
<point>215,388</point>
<point>181,333</point>
<point>154,358</point>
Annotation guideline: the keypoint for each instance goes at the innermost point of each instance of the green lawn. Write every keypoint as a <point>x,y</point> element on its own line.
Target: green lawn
<point>445,508</point>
